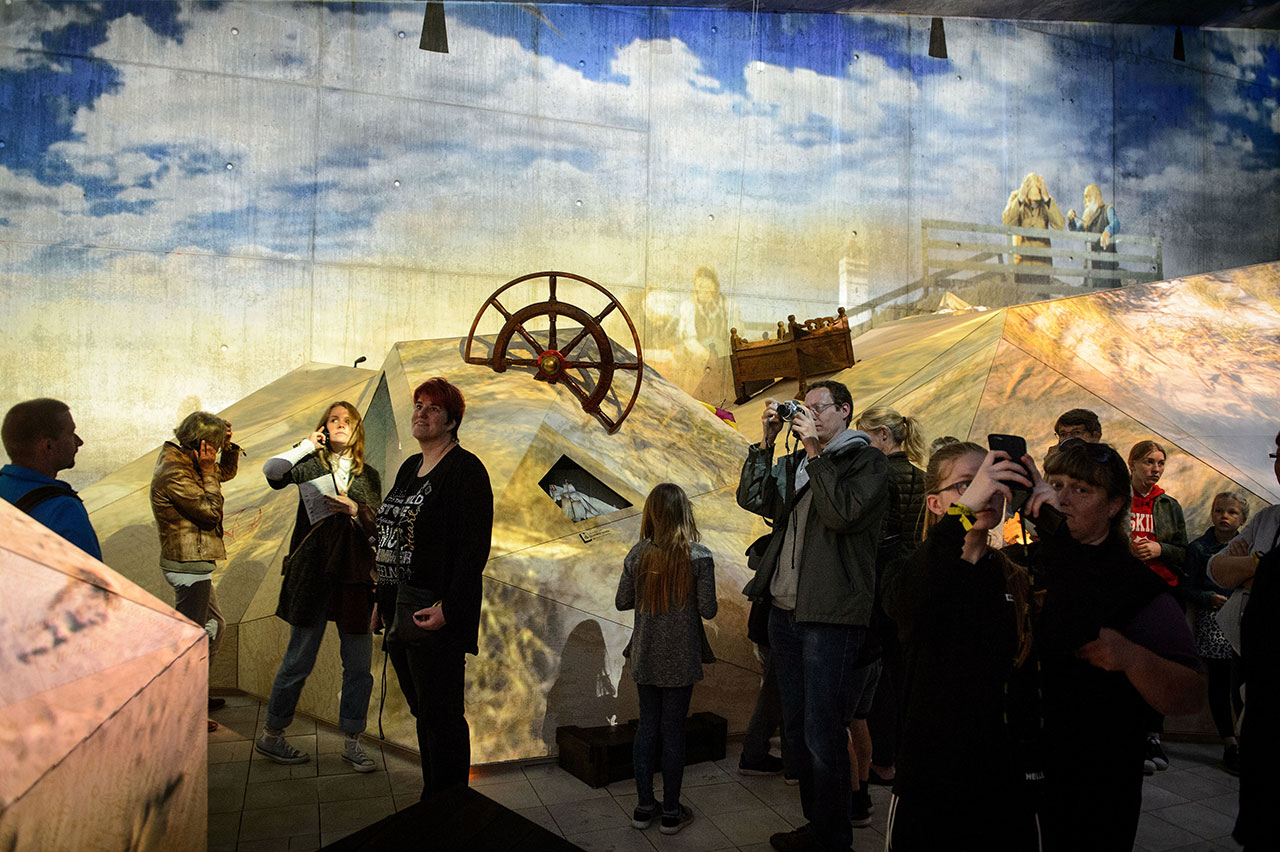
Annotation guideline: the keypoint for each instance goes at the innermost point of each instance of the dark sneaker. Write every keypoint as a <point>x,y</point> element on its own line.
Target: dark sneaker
<point>642,817</point>
<point>1155,755</point>
<point>1231,759</point>
<point>860,813</point>
<point>879,780</point>
<point>672,823</point>
<point>278,749</point>
<point>768,765</point>
<point>793,841</point>
<point>791,780</point>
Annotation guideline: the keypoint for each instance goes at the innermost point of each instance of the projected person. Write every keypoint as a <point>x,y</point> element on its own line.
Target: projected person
<point>1031,206</point>
<point>1100,219</point>
<point>689,341</point>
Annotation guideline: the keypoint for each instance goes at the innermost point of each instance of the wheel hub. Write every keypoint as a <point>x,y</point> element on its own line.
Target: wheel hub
<point>550,365</point>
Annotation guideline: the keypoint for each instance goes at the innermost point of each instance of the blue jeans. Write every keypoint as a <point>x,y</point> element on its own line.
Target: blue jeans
<point>819,682</point>
<point>300,658</point>
<point>662,713</point>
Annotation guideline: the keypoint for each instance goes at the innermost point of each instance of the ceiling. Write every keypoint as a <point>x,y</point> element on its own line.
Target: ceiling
<point>1187,13</point>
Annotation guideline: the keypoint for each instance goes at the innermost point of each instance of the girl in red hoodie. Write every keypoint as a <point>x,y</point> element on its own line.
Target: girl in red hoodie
<point>1159,535</point>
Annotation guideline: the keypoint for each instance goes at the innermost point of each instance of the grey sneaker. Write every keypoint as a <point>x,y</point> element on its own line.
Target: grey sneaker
<point>277,748</point>
<point>1155,755</point>
<point>353,753</point>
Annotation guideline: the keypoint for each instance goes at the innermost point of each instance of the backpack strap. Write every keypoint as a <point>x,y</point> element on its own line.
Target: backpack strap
<point>33,498</point>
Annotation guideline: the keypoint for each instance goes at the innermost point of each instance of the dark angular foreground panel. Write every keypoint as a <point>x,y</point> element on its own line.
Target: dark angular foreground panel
<point>460,818</point>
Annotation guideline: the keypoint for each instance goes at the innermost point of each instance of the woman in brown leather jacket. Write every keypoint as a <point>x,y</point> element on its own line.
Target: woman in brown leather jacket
<point>186,499</point>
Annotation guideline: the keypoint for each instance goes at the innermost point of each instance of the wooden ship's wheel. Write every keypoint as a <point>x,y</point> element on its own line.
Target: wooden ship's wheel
<point>588,375</point>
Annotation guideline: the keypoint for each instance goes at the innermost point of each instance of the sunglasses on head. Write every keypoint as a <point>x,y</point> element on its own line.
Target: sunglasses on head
<point>1097,453</point>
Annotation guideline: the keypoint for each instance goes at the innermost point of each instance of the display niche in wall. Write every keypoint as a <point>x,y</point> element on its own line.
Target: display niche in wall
<point>578,493</point>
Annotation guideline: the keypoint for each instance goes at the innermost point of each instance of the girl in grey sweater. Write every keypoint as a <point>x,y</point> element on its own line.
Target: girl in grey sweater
<point>669,579</point>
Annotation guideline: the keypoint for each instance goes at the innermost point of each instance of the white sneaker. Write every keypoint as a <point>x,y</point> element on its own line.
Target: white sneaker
<point>353,753</point>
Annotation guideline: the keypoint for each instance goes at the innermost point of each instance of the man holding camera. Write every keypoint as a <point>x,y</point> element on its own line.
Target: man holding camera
<point>825,501</point>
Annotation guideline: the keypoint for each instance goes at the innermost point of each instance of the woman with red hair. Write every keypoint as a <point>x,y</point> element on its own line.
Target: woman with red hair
<point>434,531</point>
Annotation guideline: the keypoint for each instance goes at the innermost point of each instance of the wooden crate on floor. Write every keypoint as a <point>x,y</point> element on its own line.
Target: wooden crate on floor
<point>602,755</point>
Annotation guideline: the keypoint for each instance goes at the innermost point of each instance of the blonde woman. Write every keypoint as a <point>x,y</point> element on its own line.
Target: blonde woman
<point>901,439</point>
<point>328,577</point>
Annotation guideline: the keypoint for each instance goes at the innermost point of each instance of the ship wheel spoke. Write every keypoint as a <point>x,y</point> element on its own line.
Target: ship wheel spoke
<point>578,338</point>
<point>529,338</point>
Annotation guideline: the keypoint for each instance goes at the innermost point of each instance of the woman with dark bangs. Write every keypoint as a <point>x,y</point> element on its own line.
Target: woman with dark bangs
<point>1111,641</point>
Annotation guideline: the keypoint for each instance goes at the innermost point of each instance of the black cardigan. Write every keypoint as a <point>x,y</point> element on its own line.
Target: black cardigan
<point>452,534</point>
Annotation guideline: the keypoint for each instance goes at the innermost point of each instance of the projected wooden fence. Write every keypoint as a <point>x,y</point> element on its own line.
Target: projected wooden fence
<point>969,252</point>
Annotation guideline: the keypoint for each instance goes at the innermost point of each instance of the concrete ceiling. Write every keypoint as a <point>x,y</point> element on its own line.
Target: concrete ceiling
<point>1187,13</point>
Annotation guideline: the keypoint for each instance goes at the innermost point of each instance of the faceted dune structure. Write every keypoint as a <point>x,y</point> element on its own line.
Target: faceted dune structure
<point>551,641</point>
<point>1193,363</point>
<point>102,704</point>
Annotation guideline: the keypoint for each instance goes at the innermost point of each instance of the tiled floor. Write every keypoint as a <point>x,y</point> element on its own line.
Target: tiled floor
<point>256,805</point>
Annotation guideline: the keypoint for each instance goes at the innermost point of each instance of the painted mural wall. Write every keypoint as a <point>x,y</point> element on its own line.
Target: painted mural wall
<point>196,198</point>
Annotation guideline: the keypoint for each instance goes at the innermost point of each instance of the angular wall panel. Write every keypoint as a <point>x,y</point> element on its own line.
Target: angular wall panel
<point>102,691</point>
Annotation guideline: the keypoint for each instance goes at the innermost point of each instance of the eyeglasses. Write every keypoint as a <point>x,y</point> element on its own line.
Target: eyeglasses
<point>1096,453</point>
<point>960,487</point>
<point>821,407</point>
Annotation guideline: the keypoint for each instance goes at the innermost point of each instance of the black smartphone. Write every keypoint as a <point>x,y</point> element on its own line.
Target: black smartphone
<point>324,430</point>
<point>1016,447</point>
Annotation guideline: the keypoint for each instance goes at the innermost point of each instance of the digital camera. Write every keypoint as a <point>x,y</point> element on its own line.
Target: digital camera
<point>788,409</point>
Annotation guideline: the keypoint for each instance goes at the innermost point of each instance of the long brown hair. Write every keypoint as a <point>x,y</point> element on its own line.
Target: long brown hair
<point>355,447</point>
<point>665,576</point>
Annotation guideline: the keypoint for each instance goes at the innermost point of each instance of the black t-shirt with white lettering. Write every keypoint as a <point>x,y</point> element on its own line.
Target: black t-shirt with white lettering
<point>435,531</point>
